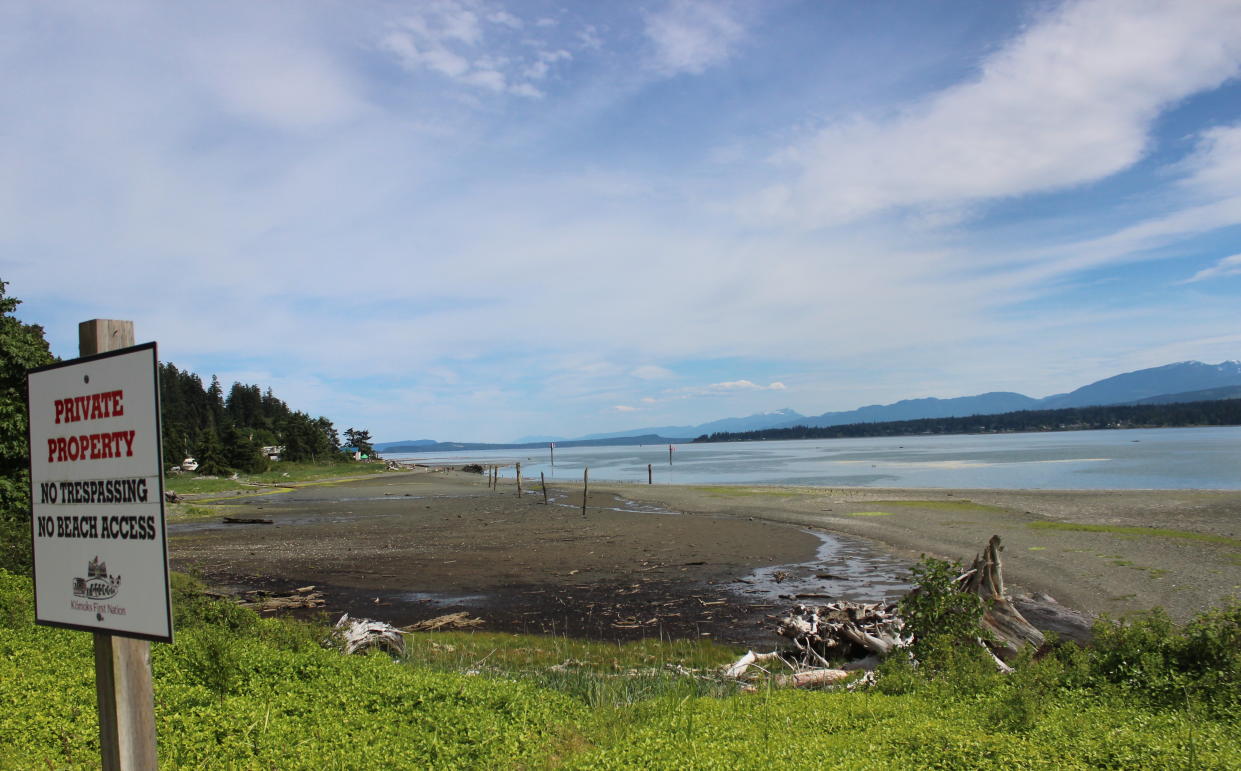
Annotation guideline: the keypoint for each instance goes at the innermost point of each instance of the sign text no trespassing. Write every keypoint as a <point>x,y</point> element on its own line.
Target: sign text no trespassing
<point>97,495</point>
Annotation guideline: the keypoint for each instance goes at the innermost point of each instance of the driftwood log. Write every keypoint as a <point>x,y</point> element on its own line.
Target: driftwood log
<point>1008,629</point>
<point>861,634</point>
<point>304,597</point>
<point>459,620</point>
<point>1048,615</point>
<point>362,634</point>
<point>844,630</point>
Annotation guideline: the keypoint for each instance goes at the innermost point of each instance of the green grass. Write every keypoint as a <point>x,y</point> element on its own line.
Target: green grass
<point>240,691</point>
<point>1137,531</point>
<point>962,505</point>
<point>870,514</point>
<point>280,473</point>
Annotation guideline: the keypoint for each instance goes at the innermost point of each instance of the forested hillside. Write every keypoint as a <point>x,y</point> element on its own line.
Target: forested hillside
<point>1225,412</point>
<point>227,431</point>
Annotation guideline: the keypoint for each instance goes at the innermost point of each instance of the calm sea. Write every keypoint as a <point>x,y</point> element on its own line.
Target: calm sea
<point>1171,458</point>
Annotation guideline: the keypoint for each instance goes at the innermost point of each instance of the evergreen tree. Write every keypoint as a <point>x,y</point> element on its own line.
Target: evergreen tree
<point>326,428</point>
<point>215,405</point>
<point>241,452</point>
<point>210,456</point>
<point>22,347</point>
<point>360,440</point>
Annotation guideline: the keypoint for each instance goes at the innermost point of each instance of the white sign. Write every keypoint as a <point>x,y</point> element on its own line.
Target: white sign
<point>100,550</point>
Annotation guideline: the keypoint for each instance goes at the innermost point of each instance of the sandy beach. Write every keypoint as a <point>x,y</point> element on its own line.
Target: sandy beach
<point>683,561</point>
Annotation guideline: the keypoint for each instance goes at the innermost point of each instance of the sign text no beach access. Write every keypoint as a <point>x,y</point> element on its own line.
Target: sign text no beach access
<point>100,549</point>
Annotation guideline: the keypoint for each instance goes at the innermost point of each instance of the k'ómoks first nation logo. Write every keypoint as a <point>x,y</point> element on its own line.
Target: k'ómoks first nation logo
<point>97,585</point>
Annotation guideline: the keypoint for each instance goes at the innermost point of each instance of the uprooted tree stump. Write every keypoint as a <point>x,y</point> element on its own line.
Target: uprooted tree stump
<point>1008,629</point>
<point>353,635</point>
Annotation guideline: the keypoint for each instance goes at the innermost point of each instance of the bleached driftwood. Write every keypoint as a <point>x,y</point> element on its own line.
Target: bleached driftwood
<point>844,630</point>
<point>1009,630</point>
<point>810,677</point>
<point>800,677</point>
<point>459,620</point>
<point>861,634</point>
<point>739,667</point>
<point>304,597</point>
<point>360,634</point>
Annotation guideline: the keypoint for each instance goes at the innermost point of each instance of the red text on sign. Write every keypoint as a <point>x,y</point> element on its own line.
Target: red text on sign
<point>90,407</point>
<point>111,444</point>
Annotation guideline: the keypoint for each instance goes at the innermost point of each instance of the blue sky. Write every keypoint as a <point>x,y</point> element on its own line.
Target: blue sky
<point>483,220</point>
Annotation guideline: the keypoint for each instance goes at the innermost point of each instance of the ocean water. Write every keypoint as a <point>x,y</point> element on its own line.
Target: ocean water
<point>1162,458</point>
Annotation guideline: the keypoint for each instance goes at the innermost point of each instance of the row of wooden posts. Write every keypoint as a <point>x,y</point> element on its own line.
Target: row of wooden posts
<point>493,482</point>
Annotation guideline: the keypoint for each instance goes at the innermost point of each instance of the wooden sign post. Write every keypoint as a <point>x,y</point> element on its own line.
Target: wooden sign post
<point>100,547</point>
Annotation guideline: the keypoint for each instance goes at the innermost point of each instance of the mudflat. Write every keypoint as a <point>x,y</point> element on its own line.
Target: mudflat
<point>685,561</point>
<point>1110,552</point>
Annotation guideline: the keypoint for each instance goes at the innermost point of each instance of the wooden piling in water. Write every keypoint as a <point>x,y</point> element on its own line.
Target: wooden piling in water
<point>585,488</point>
<point>518,480</point>
<point>648,474</point>
<point>543,482</point>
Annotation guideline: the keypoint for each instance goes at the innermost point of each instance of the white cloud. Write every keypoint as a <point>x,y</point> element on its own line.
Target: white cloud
<point>727,387</point>
<point>505,18</point>
<point>689,36</point>
<point>1211,200</point>
<point>538,69</point>
<point>1215,166</point>
<point>745,385</point>
<point>468,41</point>
<point>1228,266</point>
<point>624,408</point>
<point>651,372</point>
<point>1069,101</point>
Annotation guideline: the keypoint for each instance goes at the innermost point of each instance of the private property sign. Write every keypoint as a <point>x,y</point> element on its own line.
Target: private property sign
<point>100,551</point>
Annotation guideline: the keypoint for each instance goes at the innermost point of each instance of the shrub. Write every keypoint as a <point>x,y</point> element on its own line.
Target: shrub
<point>1167,666</point>
<point>16,600</point>
<point>937,614</point>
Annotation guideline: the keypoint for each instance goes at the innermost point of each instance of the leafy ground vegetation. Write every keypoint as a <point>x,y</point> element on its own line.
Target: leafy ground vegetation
<point>277,473</point>
<point>240,691</point>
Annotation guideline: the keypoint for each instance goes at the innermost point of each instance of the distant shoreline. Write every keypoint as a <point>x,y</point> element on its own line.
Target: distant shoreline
<point>1204,414</point>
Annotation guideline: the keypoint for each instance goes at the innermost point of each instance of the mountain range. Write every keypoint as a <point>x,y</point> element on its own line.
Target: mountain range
<point>1185,381</point>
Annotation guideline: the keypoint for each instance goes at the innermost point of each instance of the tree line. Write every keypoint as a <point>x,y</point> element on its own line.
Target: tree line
<point>1221,412</point>
<point>226,432</point>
